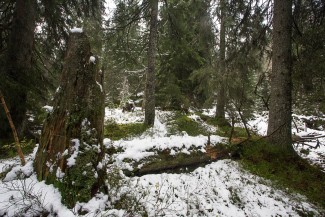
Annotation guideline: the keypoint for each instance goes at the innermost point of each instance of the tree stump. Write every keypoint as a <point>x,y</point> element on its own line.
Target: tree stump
<point>71,147</point>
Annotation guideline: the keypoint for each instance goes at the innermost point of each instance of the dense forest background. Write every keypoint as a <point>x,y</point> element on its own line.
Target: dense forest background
<point>205,50</point>
<point>62,63</point>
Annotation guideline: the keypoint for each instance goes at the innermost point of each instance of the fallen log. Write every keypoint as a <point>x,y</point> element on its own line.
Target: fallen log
<point>164,162</point>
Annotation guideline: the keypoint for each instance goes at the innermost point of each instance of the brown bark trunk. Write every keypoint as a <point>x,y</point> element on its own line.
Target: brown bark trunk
<point>149,118</point>
<point>221,97</point>
<point>75,128</point>
<point>279,125</point>
<point>18,65</point>
<point>13,128</point>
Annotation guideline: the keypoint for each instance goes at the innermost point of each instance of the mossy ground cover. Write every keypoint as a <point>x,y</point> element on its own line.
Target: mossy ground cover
<point>182,123</point>
<point>224,128</point>
<point>285,171</point>
<point>116,131</point>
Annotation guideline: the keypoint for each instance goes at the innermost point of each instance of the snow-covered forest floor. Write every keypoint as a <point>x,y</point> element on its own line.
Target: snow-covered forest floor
<point>221,188</point>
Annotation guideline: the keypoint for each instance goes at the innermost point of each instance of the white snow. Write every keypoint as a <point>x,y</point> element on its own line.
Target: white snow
<point>222,188</point>
<point>100,86</point>
<point>92,59</point>
<point>117,116</point>
<point>72,159</point>
<point>16,195</point>
<point>58,89</point>
<point>59,173</point>
<point>139,148</point>
<point>76,30</point>
<point>96,204</point>
<point>48,109</point>
<point>314,155</point>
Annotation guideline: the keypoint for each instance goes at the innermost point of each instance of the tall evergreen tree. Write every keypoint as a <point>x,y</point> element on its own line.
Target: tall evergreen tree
<point>125,56</point>
<point>149,118</point>
<point>18,65</point>
<point>185,53</point>
<point>279,125</point>
<point>221,94</point>
<point>309,56</point>
<point>243,36</point>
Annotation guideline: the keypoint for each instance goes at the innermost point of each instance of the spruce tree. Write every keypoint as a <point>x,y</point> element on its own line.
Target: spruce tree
<point>279,125</point>
<point>149,107</point>
<point>18,66</point>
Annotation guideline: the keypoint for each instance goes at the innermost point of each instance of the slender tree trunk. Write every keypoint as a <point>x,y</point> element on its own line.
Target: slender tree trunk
<point>151,77</point>
<point>13,128</point>
<point>279,125</point>
<point>19,64</point>
<point>71,146</point>
<point>221,97</point>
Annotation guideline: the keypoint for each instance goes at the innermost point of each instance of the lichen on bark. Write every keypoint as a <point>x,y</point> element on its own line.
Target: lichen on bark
<point>71,145</point>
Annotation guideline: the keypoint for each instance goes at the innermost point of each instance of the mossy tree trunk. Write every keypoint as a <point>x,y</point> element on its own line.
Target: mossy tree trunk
<point>71,147</point>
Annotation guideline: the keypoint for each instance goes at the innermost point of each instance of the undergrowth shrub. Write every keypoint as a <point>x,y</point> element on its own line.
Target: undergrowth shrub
<point>8,148</point>
<point>25,199</point>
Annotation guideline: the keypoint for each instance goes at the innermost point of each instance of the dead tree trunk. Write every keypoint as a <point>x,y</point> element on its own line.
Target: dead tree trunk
<point>13,128</point>
<point>71,146</point>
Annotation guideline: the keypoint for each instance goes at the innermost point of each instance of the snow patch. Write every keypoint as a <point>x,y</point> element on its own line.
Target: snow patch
<point>92,59</point>
<point>72,159</point>
<point>76,30</point>
<point>59,174</point>
<point>48,109</point>
<point>100,86</point>
<point>19,172</point>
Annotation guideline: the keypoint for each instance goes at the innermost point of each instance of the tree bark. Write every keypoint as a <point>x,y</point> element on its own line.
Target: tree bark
<point>149,118</point>
<point>221,97</point>
<point>71,145</point>
<point>18,65</point>
<point>14,131</point>
<point>279,125</point>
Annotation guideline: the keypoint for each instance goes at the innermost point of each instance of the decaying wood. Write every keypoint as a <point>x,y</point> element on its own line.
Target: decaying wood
<point>13,128</point>
<point>71,145</point>
<point>308,138</point>
<point>166,163</point>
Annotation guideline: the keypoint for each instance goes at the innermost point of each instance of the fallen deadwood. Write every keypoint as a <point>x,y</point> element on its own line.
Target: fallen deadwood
<point>312,137</point>
<point>165,162</point>
<point>309,138</point>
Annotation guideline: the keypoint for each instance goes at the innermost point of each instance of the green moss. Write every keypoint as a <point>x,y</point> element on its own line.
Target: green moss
<point>224,128</point>
<point>183,123</point>
<point>285,170</point>
<point>304,151</point>
<point>78,181</point>
<point>116,131</point>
